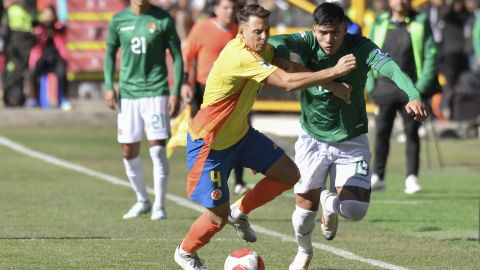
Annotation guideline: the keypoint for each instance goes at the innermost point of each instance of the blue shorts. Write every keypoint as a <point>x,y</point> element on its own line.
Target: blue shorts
<point>208,169</point>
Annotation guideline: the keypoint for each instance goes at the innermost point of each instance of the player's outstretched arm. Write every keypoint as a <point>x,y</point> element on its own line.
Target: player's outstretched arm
<point>340,89</point>
<point>302,80</point>
<point>415,106</point>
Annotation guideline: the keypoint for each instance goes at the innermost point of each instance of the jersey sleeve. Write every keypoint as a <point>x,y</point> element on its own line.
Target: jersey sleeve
<point>192,44</point>
<point>305,42</point>
<point>113,41</point>
<point>392,71</point>
<point>369,53</point>
<point>171,36</point>
<point>253,66</point>
<point>173,42</point>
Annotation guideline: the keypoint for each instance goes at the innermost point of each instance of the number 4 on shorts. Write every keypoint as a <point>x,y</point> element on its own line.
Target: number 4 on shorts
<point>362,168</point>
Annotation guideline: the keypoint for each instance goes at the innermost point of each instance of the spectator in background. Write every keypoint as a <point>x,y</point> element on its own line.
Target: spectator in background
<point>407,38</point>
<point>469,81</point>
<point>378,7</point>
<point>447,22</point>
<point>50,52</point>
<point>183,20</point>
<point>206,48</point>
<point>472,37</point>
<point>353,28</point>
<point>18,41</point>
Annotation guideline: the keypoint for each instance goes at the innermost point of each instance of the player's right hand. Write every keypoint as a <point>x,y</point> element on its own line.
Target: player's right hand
<point>345,65</point>
<point>342,90</point>
<point>111,98</point>
<point>186,92</point>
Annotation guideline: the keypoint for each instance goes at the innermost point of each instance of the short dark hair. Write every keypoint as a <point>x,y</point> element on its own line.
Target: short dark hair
<point>217,2</point>
<point>328,14</point>
<point>252,10</point>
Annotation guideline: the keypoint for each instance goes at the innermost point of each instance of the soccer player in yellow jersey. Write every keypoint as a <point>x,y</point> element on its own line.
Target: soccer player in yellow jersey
<point>219,137</point>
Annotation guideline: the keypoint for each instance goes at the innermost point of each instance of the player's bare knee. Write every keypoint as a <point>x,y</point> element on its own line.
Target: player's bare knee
<point>128,154</point>
<point>354,210</point>
<point>293,178</point>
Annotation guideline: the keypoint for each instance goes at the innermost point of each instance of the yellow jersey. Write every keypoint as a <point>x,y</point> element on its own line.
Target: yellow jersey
<point>231,90</point>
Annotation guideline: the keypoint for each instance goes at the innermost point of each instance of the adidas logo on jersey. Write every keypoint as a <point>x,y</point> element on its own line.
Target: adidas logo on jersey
<point>126,28</point>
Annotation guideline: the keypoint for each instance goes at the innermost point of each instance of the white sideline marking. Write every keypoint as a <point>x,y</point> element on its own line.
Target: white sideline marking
<point>396,202</point>
<point>183,202</point>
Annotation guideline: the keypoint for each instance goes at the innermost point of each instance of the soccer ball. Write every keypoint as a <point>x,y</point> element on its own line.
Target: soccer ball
<point>244,259</point>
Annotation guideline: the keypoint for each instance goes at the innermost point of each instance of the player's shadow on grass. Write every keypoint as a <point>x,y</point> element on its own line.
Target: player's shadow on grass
<point>56,238</point>
<point>339,269</point>
<point>395,220</point>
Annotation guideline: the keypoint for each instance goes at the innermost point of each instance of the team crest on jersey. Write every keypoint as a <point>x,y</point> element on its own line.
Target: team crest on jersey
<point>303,34</point>
<point>265,64</point>
<point>120,132</point>
<point>379,52</point>
<point>152,27</point>
<point>216,194</point>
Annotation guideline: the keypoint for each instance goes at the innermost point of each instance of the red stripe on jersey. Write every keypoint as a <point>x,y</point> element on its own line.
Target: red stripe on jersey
<point>210,119</point>
<point>197,168</point>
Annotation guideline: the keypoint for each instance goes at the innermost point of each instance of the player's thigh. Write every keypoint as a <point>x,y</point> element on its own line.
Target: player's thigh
<point>262,155</point>
<point>156,116</point>
<point>284,171</point>
<point>208,172</point>
<point>129,121</point>
<point>351,174</point>
<point>313,161</point>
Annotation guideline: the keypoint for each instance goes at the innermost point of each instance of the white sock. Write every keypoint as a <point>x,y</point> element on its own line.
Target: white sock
<point>183,252</point>
<point>136,175</point>
<point>354,210</point>
<point>235,212</point>
<point>303,223</point>
<point>161,170</point>
<point>349,209</point>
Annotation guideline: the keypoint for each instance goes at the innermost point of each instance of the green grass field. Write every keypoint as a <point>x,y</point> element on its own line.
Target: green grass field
<point>56,218</point>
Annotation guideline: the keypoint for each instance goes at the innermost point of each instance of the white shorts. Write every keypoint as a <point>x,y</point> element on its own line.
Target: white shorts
<point>150,114</point>
<point>348,163</point>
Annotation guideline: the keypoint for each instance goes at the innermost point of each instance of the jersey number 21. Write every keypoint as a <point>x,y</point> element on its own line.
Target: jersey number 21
<point>138,45</point>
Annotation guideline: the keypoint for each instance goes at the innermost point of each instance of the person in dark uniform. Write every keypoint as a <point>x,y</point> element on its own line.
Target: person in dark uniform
<point>407,38</point>
<point>18,41</point>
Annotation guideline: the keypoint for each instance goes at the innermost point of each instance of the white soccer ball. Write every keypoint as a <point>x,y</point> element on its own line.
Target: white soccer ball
<point>244,259</point>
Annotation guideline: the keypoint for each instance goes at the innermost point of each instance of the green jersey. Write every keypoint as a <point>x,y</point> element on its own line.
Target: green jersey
<point>325,116</point>
<point>144,39</point>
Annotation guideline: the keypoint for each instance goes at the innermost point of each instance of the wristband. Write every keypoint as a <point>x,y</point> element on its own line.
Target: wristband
<point>185,78</point>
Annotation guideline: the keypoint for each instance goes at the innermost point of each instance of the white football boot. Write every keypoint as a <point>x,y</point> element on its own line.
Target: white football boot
<point>378,184</point>
<point>189,262</point>
<point>138,209</point>
<point>301,260</point>
<point>158,213</point>
<point>243,228</point>
<point>411,184</point>
<point>329,221</point>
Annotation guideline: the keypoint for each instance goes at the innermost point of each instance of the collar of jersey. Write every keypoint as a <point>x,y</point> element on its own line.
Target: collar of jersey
<point>321,54</point>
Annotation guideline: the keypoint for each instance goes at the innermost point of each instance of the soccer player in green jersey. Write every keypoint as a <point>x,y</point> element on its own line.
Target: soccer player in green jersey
<point>144,32</point>
<point>333,139</point>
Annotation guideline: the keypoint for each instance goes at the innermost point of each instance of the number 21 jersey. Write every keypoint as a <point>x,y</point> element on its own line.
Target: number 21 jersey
<point>143,40</point>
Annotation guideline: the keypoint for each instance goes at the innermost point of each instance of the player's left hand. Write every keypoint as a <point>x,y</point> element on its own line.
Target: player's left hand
<point>173,105</point>
<point>418,109</point>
